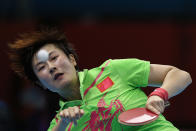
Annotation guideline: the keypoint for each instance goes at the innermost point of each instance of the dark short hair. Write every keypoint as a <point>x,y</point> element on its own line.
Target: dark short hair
<point>23,49</point>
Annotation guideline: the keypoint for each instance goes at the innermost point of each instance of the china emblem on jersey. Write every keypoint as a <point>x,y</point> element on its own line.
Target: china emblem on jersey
<point>105,84</point>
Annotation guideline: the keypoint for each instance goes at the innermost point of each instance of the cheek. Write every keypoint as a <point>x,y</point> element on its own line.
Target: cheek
<point>43,76</point>
<point>62,63</point>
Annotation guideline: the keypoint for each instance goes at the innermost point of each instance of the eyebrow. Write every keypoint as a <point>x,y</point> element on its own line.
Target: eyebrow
<point>41,62</point>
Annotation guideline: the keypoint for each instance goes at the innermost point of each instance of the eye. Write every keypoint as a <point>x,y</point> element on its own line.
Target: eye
<point>41,68</point>
<point>53,58</point>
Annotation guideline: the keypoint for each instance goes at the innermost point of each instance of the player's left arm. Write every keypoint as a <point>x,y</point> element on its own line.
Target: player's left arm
<point>170,78</point>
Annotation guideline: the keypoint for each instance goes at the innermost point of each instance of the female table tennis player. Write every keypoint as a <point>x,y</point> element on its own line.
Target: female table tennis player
<point>93,99</point>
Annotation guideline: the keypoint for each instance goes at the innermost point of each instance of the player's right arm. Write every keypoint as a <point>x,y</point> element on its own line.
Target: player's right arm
<point>169,78</point>
<point>71,114</point>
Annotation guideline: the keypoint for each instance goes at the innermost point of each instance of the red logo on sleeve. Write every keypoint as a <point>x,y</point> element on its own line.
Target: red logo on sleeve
<point>105,84</point>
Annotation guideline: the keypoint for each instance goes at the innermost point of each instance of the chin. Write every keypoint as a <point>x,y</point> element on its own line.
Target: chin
<point>64,84</point>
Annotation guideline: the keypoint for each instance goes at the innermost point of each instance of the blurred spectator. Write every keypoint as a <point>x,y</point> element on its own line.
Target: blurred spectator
<point>6,121</point>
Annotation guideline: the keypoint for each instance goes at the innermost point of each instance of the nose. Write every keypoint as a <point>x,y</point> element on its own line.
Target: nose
<point>52,68</point>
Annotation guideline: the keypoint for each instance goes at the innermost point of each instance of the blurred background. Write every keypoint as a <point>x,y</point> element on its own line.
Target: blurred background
<point>162,32</point>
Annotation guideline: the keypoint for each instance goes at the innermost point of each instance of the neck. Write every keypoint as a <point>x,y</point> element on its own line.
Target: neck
<point>72,92</point>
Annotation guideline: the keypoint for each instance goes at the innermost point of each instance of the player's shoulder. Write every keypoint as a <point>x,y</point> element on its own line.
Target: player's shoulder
<point>111,62</point>
<point>116,62</point>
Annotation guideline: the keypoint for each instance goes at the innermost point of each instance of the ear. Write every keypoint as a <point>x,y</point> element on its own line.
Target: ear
<point>72,59</point>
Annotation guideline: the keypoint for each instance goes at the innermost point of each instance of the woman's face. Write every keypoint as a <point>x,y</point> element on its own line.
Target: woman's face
<point>56,73</point>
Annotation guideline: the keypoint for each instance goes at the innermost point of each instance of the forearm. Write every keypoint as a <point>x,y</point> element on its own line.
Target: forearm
<point>176,81</point>
<point>61,126</point>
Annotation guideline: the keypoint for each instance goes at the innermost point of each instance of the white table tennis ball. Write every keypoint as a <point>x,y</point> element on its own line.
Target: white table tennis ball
<point>42,55</point>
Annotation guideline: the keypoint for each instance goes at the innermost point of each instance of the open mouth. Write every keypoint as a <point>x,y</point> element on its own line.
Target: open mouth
<point>57,75</point>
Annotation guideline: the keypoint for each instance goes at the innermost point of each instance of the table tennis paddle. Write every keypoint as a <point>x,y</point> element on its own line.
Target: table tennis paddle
<point>136,117</point>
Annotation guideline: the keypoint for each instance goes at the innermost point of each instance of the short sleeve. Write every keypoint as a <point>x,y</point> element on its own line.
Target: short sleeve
<point>52,124</point>
<point>134,71</point>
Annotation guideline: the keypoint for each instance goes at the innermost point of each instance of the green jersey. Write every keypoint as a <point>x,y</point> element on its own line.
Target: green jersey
<point>109,90</point>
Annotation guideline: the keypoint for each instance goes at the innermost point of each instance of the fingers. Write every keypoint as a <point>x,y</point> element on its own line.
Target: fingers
<point>72,114</point>
<point>156,109</point>
<point>81,112</point>
<point>155,104</point>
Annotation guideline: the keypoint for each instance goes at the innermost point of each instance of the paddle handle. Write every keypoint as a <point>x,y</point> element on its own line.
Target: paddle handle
<point>167,103</point>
